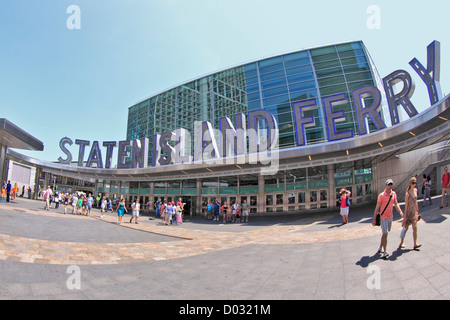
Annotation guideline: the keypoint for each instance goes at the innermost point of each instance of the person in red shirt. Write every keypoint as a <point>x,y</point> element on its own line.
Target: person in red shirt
<point>445,186</point>
<point>344,207</point>
<point>385,204</point>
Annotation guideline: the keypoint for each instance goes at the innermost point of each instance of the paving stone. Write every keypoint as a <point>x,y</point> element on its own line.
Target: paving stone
<point>270,258</point>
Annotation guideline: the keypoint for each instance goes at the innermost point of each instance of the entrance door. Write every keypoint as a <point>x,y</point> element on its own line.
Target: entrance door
<point>190,207</point>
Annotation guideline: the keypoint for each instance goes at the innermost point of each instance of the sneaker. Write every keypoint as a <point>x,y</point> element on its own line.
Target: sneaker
<point>385,255</point>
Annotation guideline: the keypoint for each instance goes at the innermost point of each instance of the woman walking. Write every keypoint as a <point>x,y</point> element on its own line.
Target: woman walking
<point>121,209</point>
<point>74,203</point>
<point>103,206</point>
<point>344,205</point>
<point>411,215</point>
<point>179,213</point>
<point>168,215</point>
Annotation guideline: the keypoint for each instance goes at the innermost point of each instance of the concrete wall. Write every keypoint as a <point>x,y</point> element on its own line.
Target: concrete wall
<point>398,167</point>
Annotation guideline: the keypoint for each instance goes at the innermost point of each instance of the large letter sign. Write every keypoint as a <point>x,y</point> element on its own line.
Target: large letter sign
<point>302,122</point>
<point>403,97</point>
<point>432,74</point>
<point>254,138</point>
<point>371,111</point>
<point>335,116</point>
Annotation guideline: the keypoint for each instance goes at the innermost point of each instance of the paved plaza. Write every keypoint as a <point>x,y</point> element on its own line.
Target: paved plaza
<point>52,255</point>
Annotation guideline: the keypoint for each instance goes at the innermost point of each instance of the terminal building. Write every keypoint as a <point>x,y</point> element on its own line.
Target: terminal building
<point>338,125</point>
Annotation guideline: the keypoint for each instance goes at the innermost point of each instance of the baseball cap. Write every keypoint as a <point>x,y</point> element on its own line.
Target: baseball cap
<point>389,181</point>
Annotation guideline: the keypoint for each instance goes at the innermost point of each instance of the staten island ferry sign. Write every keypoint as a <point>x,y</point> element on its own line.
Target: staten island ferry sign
<point>172,147</point>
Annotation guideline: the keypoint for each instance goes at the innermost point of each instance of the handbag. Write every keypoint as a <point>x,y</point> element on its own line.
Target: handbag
<point>378,219</point>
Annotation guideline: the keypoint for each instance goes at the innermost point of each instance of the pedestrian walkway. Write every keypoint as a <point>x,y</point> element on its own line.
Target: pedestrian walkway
<point>193,238</point>
<point>285,257</point>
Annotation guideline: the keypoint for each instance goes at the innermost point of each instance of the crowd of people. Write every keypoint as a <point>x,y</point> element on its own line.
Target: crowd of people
<point>170,212</point>
<point>226,212</point>
<point>10,193</point>
<point>234,212</point>
<point>75,203</point>
<point>81,203</point>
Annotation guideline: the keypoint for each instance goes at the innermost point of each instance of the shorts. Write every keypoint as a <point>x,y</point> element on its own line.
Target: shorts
<point>89,207</point>
<point>446,190</point>
<point>386,225</point>
<point>245,213</point>
<point>135,213</point>
<point>344,211</point>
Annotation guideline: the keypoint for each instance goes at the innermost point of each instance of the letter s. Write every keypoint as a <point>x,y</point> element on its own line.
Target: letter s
<point>62,144</point>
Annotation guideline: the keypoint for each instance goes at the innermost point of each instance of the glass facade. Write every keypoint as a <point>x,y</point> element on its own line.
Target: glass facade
<point>289,191</point>
<point>274,84</point>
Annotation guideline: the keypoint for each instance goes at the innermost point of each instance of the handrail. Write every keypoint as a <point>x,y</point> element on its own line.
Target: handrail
<point>442,152</point>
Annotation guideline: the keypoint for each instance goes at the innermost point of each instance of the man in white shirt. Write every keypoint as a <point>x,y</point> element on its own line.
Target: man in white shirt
<point>47,194</point>
<point>135,207</point>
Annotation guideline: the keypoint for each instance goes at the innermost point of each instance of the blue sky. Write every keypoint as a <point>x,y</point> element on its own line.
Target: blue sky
<point>57,82</point>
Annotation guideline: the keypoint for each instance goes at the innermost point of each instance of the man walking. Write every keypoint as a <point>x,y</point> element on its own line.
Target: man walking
<point>158,208</point>
<point>135,207</point>
<point>89,202</point>
<point>8,191</point>
<point>47,195</point>
<point>216,209</point>
<point>386,202</point>
<point>445,186</point>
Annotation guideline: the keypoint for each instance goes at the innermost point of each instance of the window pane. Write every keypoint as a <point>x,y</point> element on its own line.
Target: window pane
<point>298,70</point>
<point>270,61</point>
<point>327,64</point>
<point>326,57</point>
<point>294,56</point>
<point>273,83</point>
<point>301,77</point>
<point>302,86</point>
<point>273,75</point>
<point>320,51</point>
<point>274,92</point>
<point>295,63</point>
<point>275,67</point>
<point>331,81</point>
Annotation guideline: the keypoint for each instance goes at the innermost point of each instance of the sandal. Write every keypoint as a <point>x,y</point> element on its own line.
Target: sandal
<point>417,247</point>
